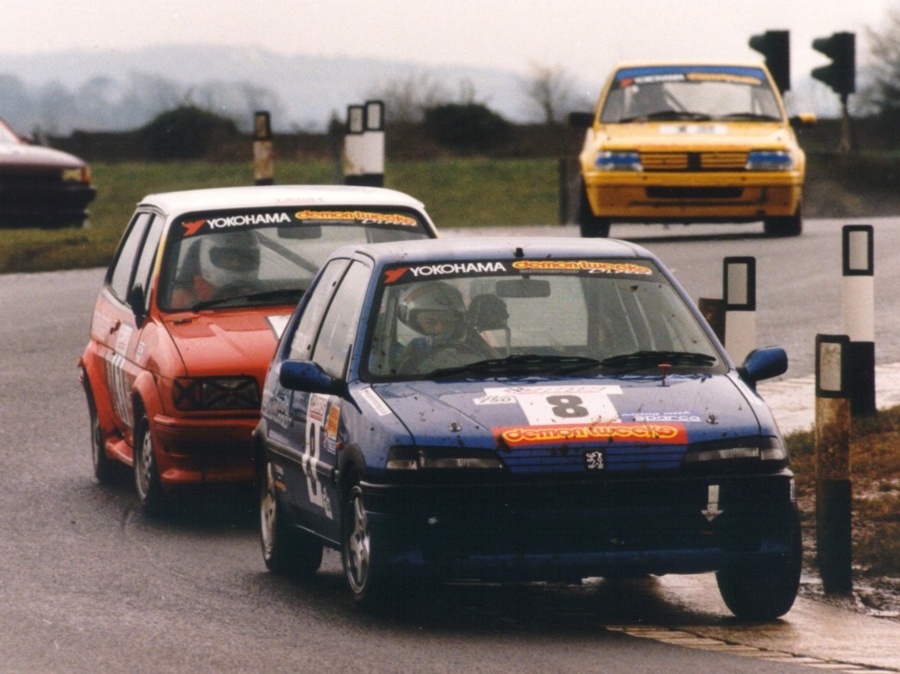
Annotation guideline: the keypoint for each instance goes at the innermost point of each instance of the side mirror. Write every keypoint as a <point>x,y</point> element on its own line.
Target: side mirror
<point>582,119</point>
<point>803,120</point>
<point>303,375</point>
<point>137,300</point>
<point>764,363</point>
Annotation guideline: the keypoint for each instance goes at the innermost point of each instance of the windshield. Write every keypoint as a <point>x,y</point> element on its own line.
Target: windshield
<point>701,93</point>
<point>7,135</point>
<point>492,319</point>
<point>266,256</point>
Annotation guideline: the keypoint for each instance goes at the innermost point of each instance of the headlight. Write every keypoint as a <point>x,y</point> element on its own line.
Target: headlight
<point>610,160</point>
<point>762,449</point>
<point>769,160</point>
<point>425,458</point>
<point>216,393</point>
<point>80,174</point>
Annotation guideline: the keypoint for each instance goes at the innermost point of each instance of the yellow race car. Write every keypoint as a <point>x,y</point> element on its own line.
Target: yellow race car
<point>690,142</point>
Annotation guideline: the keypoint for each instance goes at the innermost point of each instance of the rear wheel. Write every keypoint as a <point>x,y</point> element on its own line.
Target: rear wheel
<point>764,593</point>
<point>791,225</point>
<point>104,467</point>
<point>591,225</point>
<point>284,549</point>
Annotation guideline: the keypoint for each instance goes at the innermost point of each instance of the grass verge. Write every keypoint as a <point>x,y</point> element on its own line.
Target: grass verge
<point>875,479</point>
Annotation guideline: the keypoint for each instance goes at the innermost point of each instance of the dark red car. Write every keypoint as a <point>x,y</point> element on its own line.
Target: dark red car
<point>40,186</point>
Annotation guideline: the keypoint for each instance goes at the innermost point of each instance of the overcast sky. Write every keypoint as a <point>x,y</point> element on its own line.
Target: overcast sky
<point>583,37</point>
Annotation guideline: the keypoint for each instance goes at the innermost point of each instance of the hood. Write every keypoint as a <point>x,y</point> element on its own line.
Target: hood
<point>222,342</point>
<point>34,156</point>
<point>685,135</point>
<point>546,422</point>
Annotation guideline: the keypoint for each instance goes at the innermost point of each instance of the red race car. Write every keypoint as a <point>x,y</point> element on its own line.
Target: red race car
<point>189,315</point>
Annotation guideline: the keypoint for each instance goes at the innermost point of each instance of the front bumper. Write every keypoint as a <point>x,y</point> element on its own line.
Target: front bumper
<point>573,530</point>
<point>202,451</point>
<point>693,197</point>
<point>43,202</point>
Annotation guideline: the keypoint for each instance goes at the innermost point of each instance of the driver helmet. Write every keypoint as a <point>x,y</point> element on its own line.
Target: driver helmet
<point>230,257</point>
<point>434,309</point>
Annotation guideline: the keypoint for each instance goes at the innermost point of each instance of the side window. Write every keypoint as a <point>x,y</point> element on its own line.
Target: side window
<point>148,257</point>
<point>303,338</point>
<point>339,327</point>
<point>120,274</point>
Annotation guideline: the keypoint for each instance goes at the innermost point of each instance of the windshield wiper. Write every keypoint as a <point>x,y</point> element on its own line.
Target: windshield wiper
<point>279,296</point>
<point>749,116</point>
<point>644,359</point>
<point>521,365</point>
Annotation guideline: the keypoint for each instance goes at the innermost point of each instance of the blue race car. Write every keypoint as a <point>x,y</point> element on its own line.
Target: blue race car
<point>533,409</point>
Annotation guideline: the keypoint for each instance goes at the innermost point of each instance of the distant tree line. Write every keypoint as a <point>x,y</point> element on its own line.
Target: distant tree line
<point>104,104</point>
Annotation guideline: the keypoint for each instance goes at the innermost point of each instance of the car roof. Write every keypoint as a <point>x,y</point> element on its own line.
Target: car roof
<point>688,64</point>
<point>493,248</point>
<point>256,196</point>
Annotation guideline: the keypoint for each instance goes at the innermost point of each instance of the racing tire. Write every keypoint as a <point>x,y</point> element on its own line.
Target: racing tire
<point>147,484</point>
<point>104,467</point>
<point>361,553</point>
<point>284,549</point>
<point>761,594</point>
<point>791,225</point>
<point>591,226</point>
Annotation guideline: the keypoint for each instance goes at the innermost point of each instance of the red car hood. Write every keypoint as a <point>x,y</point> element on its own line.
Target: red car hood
<point>229,342</point>
<point>34,156</point>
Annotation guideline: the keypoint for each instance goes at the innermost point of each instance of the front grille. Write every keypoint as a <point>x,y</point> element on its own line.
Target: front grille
<point>694,192</point>
<point>693,161</point>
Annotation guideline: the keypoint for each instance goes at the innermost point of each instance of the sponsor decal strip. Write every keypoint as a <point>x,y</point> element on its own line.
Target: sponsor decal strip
<point>512,437</point>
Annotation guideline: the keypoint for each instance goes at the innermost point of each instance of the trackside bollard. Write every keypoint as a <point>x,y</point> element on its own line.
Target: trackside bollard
<point>364,145</point>
<point>739,281</point>
<point>833,488</point>
<point>859,315</point>
<point>263,153</point>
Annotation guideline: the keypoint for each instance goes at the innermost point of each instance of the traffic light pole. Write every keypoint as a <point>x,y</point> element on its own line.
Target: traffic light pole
<point>846,142</point>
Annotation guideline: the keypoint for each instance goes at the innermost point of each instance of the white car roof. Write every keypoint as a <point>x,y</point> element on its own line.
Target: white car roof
<point>254,196</point>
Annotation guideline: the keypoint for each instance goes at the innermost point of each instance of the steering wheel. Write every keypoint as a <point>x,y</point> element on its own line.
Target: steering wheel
<point>235,289</point>
<point>449,354</point>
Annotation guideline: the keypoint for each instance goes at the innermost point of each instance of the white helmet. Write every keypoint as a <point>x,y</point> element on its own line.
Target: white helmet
<point>434,296</point>
<point>229,257</point>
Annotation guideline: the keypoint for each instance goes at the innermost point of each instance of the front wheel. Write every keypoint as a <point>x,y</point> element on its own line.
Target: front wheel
<point>591,226</point>
<point>146,474</point>
<point>764,593</point>
<point>361,552</point>
<point>791,225</point>
<point>284,550</point>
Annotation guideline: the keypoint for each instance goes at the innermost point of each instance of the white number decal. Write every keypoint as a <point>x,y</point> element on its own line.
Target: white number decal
<point>312,451</point>
<point>562,404</point>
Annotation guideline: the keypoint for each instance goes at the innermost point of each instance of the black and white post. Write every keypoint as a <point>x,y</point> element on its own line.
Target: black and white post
<point>833,487</point>
<point>739,279</point>
<point>859,315</point>
<point>364,145</point>
<point>263,152</point>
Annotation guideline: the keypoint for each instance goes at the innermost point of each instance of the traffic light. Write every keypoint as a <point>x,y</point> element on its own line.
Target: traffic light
<point>840,75</point>
<point>775,45</point>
